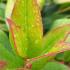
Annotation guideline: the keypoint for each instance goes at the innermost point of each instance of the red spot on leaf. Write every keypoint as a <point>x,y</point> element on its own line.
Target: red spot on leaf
<point>2,64</point>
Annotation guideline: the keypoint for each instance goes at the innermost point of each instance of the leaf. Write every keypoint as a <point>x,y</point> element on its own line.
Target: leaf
<point>40,63</point>
<point>61,1</point>
<point>66,56</point>
<point>27,29</point>
<point>63,57</point>
<point>3,27</point>
<point>2,11</point>
<point>59,57</point>
<point>9,60</point>
<point>5,41</point>
<point>60,22</point>
<point>54,66</point>
<point>6,52</point>
<point>57,40</point>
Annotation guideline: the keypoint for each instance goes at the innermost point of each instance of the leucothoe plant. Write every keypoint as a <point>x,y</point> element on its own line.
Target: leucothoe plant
<point>28,45</point>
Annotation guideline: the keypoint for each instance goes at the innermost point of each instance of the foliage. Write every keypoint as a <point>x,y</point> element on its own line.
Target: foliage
<point>26,43</point>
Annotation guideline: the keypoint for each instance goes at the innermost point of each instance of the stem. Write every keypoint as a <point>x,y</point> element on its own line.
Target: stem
<point>30,61</point>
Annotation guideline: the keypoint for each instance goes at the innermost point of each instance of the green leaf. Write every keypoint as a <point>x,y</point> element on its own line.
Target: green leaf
<point>2,11</point>
<point>63,57</point>
<point>27,29</point>
<point>61,1</point>
<point>40,63</point>
<point>60,22</point>
<point>11,61</point>
<point>54,66</point>
<point>5,41</point>
<point>59,57</point>
<point>3,27</point>
<point>66,56</point>
<point>57,40</point>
